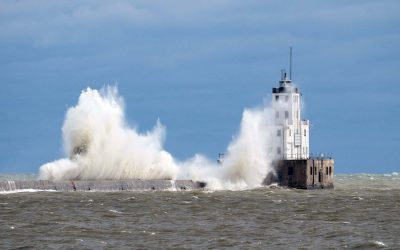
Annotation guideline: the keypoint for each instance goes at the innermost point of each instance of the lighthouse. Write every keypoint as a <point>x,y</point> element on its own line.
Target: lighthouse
<point>292,133</point>
<point>294,166</point>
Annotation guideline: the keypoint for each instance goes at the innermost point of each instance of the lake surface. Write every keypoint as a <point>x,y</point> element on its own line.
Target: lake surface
<point>362,212</point>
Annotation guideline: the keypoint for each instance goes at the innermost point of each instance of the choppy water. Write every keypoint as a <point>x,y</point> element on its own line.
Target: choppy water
<point>362,212</point>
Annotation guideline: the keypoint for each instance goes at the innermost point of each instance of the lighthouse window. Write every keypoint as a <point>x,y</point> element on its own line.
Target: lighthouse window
<point>327,171</point>
<point>305,132</point>
<point>278,132</point>
<point>277,98</point>
<point>286,114</point>
<point>330,170</point>
<point>278,150</point>
<point>290,132</point>
<point>286,98</point>
<point>311,170</point>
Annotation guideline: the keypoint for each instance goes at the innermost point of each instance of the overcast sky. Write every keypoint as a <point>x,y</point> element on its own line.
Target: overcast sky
<point>196,65</point>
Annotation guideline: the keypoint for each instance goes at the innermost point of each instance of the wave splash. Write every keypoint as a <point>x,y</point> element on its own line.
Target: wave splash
<point>99,144</point>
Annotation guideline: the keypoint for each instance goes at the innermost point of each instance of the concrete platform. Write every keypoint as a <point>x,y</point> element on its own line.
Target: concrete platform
<point>103,185</point>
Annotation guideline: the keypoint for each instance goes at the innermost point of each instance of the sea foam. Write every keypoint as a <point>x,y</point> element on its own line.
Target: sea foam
<point>99,144</point>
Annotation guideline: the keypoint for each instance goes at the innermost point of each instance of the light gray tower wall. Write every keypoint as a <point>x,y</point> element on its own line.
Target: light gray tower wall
<point>291,132</point>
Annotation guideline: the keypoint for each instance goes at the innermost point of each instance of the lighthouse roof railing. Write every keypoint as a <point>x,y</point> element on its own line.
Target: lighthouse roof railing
<point>321,156</point>
<point>285,90</point>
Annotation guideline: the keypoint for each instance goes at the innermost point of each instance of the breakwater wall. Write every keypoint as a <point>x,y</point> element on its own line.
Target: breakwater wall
<point>102,185</point>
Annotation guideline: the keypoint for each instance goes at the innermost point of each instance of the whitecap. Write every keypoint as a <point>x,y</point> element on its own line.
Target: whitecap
<point>379,243</point>
<point>115,211</point>
<point>28,190</point>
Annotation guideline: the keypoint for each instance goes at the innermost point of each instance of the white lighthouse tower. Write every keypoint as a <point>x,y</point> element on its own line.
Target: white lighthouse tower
<point>291,132</point>
<point>290,144</point>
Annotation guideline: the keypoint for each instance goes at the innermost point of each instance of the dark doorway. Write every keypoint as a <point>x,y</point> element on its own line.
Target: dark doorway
<point>290,170</point>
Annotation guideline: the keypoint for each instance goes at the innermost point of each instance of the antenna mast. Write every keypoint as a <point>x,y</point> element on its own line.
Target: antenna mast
<point>290,60</point>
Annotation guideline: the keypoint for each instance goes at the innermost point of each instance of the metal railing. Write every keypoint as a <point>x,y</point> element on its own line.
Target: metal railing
<point>320,156</point>
<point>294,156</point>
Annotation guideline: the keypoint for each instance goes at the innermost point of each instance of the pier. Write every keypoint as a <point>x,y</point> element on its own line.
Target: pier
<point>101,185</point>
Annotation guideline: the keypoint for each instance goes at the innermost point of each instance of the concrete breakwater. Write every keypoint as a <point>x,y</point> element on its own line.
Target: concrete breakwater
<point>102,185</point>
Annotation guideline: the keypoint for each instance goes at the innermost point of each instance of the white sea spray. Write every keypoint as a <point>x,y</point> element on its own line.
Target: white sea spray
<point>99,144</point>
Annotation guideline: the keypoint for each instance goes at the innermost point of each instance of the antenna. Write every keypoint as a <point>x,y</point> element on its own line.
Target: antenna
<point>290,70</point>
